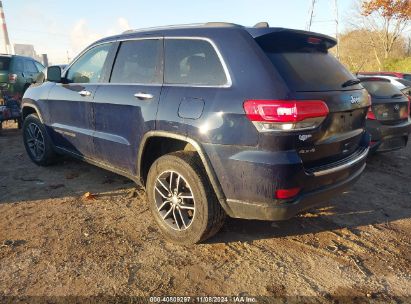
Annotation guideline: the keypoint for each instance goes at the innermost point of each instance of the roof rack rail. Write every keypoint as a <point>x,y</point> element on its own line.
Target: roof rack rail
<point>222,24</point>
<point>162,27</point>
<point>175,26</point>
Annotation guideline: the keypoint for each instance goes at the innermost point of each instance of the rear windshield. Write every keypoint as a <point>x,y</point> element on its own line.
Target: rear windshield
<point>306,68</point>
<point>381,89</point>
<point>4,63</point>
<point>405,82</point>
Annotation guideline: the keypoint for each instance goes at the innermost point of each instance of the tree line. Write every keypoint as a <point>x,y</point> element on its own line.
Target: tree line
<point>378,36</point>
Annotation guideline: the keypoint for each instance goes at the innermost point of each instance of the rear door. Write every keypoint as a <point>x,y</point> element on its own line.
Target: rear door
<point>126,105</point>
<point>17,68</point>
<point>70,104</point>
<point>30,72</point>
<point>312,73</point>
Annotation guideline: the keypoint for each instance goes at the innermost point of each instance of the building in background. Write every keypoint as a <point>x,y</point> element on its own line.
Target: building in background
<point>29,51</point>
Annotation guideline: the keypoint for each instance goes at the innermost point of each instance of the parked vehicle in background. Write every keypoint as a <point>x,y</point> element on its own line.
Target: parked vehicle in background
<point>387,119</point>
<point>212,119</point>
<point>406,76</point>
<point>9,108</point>
<point>17,73</point>
<point>42,76</point>
<point>399,83</point>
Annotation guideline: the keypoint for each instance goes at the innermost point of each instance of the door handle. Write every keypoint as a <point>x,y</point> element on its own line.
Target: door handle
<point>143,96</point>
<point>85,93</point>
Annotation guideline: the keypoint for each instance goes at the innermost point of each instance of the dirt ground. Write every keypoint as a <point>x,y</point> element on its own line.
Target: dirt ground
<point>54,242</point>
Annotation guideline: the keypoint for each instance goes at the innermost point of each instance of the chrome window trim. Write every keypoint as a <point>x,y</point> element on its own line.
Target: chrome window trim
<point>228,84</point>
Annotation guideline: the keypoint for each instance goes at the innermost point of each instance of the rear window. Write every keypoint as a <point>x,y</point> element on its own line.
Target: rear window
<point>4,63</point>
<point>305,67</point>
<point>405,82</point>
<point>381,89</point>
<point>192,62</point>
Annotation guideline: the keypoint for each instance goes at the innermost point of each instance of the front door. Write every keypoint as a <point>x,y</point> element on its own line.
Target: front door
<point>70,103</point>
<point>126,106</point>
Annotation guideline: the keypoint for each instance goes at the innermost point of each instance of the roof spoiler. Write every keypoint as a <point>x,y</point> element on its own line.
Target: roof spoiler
<point>284,35</point>
<point>261,25</point>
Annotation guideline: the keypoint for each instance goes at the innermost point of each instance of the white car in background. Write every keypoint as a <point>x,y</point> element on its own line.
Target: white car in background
<point>400,83</point>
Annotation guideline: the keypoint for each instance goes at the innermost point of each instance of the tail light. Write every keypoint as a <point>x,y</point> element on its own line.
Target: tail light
<point>12,78</point>
<point>286,193</point>
<point>370,113</point>
<point>284,115</point>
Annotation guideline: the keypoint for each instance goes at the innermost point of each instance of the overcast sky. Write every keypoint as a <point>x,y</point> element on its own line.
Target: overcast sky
<point>64,28</point>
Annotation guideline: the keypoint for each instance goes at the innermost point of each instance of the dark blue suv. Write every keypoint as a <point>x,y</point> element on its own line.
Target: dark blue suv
<point>214,120</point>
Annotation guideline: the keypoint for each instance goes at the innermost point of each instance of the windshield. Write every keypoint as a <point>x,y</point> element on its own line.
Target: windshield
<point>380,89</point>
<point>4,63</point>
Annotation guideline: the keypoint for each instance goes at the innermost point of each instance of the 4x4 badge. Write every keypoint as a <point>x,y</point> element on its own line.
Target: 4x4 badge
<point>304,137</point>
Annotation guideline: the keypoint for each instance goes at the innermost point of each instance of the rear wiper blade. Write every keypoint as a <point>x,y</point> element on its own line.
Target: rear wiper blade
<point>397,95</point>
<point>351,82</point>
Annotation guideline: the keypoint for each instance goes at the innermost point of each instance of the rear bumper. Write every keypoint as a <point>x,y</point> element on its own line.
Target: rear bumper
<point>270,212</point>
<point>388,137</point>
<point>250,178</point>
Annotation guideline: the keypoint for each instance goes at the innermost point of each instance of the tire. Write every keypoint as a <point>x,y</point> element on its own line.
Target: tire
<point>36,139</point>
<point>186,226</point>
<point>19,123</point>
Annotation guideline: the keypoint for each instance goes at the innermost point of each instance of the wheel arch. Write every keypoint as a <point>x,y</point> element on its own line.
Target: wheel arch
<point>27,109</point>
<point>184,143</point>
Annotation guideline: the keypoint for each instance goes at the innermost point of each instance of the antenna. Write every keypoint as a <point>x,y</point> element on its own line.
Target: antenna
<point>7,46</point>
<point>337,35</point>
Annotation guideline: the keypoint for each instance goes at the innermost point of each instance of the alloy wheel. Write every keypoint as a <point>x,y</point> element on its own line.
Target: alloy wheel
<point>174,200</point>
<point>35,141</point>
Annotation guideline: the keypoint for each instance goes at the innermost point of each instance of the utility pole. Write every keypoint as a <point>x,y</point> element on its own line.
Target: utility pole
<point>337,34</point>
<point>310,15</point>
<point>6,41</point>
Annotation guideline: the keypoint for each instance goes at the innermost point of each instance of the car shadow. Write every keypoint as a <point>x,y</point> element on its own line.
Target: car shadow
<point>21,180</point>
<point>382,195</point>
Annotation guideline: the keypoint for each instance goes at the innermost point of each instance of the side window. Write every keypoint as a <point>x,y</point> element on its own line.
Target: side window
<point>193,62</point>
<point>88,68</point>
<point>39,66</point>
<point>29,66</point>
<point>138,62</point>
<point>18,65</point>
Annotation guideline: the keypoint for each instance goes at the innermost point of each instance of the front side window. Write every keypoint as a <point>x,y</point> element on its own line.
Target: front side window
<point>29,66</point>
<point>88,68</point>
<point>192,62</point>
<point>39,66</point>
<point>138,62</point>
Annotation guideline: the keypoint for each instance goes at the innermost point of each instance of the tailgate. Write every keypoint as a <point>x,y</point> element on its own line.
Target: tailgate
<point>341,132</point>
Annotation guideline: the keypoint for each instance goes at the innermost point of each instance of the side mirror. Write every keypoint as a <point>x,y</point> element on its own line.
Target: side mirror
<point>53,74</point>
